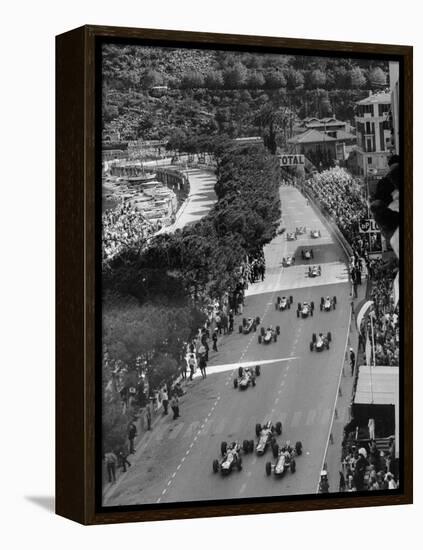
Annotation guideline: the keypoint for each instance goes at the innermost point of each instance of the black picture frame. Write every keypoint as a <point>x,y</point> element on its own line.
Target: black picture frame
<point>78,235</point>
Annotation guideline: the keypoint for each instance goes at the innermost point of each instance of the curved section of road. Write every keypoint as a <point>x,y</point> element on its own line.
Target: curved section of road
<point>296,386</point>
<point>200,200</point>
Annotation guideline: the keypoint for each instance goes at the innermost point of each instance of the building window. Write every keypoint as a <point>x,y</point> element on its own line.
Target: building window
<point>383,108</point>
<point>369,160</point>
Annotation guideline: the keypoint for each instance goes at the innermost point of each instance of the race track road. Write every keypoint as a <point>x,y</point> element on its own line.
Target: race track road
<point>296,386</point>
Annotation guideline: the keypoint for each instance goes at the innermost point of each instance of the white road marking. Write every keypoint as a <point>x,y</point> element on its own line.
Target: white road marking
<point>179,466</point>
<point>173,475</point>
<point>164,491</point>
<point>168,483</point>
<point>158,500</point>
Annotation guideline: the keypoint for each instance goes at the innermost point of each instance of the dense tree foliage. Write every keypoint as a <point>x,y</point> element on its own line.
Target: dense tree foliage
<point>212,92</point>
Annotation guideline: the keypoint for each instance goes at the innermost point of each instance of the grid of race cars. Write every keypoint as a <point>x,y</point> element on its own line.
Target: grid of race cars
<point>267,434</point>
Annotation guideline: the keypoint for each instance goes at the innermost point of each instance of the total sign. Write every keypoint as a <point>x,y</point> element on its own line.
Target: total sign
<point>291,160</point>
<point>367,225</point>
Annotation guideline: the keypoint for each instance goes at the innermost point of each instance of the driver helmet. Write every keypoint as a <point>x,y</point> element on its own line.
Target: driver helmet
<point>323,473</point>
<point>327,297</point>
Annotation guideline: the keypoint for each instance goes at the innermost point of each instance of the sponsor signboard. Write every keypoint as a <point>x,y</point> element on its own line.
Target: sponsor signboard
<point>291,160</point>
<point>368,225</point>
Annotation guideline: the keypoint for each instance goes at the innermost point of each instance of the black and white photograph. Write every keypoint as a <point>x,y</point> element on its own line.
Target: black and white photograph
<point>250,274</point>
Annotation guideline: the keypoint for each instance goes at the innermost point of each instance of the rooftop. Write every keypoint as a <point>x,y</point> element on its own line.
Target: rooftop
<point>311,136</point>
<point>380,97</point>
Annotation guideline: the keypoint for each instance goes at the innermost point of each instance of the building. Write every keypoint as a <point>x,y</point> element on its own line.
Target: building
<point>331,142</point>
<point>395,103</point>
<point>373,134</point>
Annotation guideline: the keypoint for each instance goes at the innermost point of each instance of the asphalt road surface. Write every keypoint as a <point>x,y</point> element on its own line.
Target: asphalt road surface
<point>296,386</point>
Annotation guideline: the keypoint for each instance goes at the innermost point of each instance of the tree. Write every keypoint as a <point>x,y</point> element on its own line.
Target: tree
<point>255,80</point>
<point>192,79</point>
<point>235,76</point>
<point>317,78</point>
<point>377,78</point>
<point>150,78</point>
<point>275,79</point>
<point>357,78</point>
<point>214,80</point>
<point>294,79</point>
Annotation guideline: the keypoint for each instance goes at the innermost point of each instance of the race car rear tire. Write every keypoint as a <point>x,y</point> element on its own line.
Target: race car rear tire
<point>278,427</point>
<point>291,299</point>
<point>329,337</point>
<point>253,382</point>
<point>215,465</point>
<point>240,371</point>
<point>321,307</point>
<point>235,383</point>
<point>275,337</point>
<point>244,322</point>
<point>278,300</point>
<point>313,338</point>
<point>239,464</point>
<point>268,468</point>
<point>298,448</point>
<point>240,329</point>
<point>262,331</point>
<point>259,339</point>
<point>223,447</point>
<point>334,299</point>
<point>245,446</point>
<point>292,466</point>
<point>322,301</point>
<point>257,369</point>
<point>289,305</point>
<point>257,321</point>
<point>275,450</point>
<point>299,306</point>
<point>278,330</point>
<point>258,429</point>
<point>312,306</point>
<point>298,312</point>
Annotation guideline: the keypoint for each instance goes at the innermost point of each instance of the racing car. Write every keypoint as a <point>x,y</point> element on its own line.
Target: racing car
<point>283,303</point>
<point>315,233</point>
<point>285,459</point>
<point>307,254</point>
<point>320,342</point>
<point>249,324</point>
<point>266,435</point>
<point>291,236</point>
<point>314,271</point>
<point>231,456</point>
<point>326,304</point>
<point>305,309</point>
<point>268,335</point>
<point>288,261</point>
<point>246,377</point>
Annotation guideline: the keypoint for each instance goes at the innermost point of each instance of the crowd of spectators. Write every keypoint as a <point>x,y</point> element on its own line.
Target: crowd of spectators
<point>123,227</point>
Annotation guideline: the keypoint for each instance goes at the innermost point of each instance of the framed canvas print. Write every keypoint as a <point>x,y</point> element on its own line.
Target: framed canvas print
<point>234,274</point>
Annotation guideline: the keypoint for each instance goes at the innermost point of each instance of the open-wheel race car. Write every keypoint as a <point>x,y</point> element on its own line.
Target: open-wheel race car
<point>283,303</point>
<point>315,233</point>
<point>288,261</point>
<point>231,456</point>
<point>320,342</point>
<point>285,459</point>
<point>326,304</point>
<point>291,236</point>
<point>249,324</point>
<point>314,271</point>
<point>246,377</point>
<point>266,436</point>
<point>305,309</point>
<point>307,254</point>
<point>269,335</point>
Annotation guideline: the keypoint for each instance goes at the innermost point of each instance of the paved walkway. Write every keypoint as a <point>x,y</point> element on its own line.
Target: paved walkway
<point>200,200</point>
